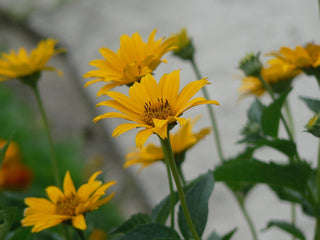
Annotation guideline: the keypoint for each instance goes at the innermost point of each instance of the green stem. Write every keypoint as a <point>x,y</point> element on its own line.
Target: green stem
<point>211,112</point>
<point>316,75</point>
<point>317,230</point>
<point>181,175</point>
<point>247,217</point>
<point>80,234</point>
<point>219,148</point>
<point>171,193</point>
<point>168,155</point>
<point>46,125</point>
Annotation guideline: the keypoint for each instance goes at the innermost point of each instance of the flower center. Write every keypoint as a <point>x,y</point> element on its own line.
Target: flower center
<point>67,205</point>
<point>158,110</point>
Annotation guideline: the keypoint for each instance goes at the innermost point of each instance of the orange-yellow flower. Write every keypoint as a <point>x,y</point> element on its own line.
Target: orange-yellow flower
<point>69,205</point>
<point>14,175</point>
<point>130,63</point>
<point>154,106</point>
<point>181,141</point>
<point>21,64</point>
<point>277,75</point>
<point>300,57</point>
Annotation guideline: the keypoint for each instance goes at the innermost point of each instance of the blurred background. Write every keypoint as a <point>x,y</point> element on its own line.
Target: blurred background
<point>223,31</point>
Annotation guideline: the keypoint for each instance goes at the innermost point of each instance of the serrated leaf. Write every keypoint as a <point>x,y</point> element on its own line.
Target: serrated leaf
<point>271,116</point>
<point>152,231</point>
<point>197,198</point>
<point>287,227</point>
<point>134,221</point>
<point>312,104</point>
<point>282,145</point>
<point>293,175</point>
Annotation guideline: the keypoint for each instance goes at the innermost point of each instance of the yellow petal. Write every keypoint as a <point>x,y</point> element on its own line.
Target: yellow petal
<point>54,193</point>
<point>142,136</point>
<point>79,222</point>
<point>68,186</point>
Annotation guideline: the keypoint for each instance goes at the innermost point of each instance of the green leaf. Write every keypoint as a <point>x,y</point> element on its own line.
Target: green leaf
<point>284,146</point>
<point>293,175</point>
<point>197,198</point>
<point>7,217</point>
<point>287,227</point>
<point>312,104</point>
<point>19,234</point>
<point>152,231</point>
<point>271,116</point>
<point>132,222</point>
<point>3,150</point>
<point>227,236</point>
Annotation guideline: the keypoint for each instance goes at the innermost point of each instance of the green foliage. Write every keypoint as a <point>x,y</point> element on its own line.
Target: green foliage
<point>287,227</point>
<point>134,221</point>
<point>312,104</point>
<point>7,217</point>
<point>227,236</point>
<point>152,231</point>
<point>3,150</point>
<point>197,198</point>
<point>271,116</point>
<point>294,175</point>
<point>19,234</point>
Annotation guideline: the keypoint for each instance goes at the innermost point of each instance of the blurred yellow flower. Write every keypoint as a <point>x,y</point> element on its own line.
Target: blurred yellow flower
<point>12,153</point>
<point>277,75</point>
<point>182,40</point>
<point>133,60</point>
<point>181,141</point>
<point>300,57</point>
<point>152,106</point>
<point>21,64</point>
<point>69,205</point>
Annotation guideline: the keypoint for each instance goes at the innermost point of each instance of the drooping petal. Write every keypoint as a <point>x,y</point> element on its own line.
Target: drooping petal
<point>142,136</point>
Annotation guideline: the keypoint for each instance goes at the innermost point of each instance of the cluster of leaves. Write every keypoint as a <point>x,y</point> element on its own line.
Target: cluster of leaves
<point>294,181</point>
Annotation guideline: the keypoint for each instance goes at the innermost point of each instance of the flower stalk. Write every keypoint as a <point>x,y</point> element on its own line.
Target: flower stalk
<point>168,155</point>
<point>211,112</point>
<point>171,194</point>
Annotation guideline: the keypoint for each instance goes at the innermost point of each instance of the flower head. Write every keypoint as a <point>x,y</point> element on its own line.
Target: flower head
<point>69,205</point>
<point>133,60</point>
<point>20,64</point>
<point>278,76</point>
<point>181,141</point>
<point>154,106</point>
<point>184,47</point>
<point>300,57</point>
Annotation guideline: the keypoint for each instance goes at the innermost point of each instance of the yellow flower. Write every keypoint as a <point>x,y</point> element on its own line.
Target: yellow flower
<point>300,57</point>
<point>12,153</point>
<point>277,75</point>
<point>133,60</point>
<point>22,64</point>
<point>69,205</point>
<point>152,106</point>
<point>181,141</point>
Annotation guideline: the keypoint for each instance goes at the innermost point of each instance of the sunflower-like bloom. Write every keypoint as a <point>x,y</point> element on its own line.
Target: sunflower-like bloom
<point>277,75</point>
<point>300,57</point>
<point>67,206</point>
<point>21,64</point>
<point>181,141</point>
<point>133,60</point>
<point>152,106</point>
